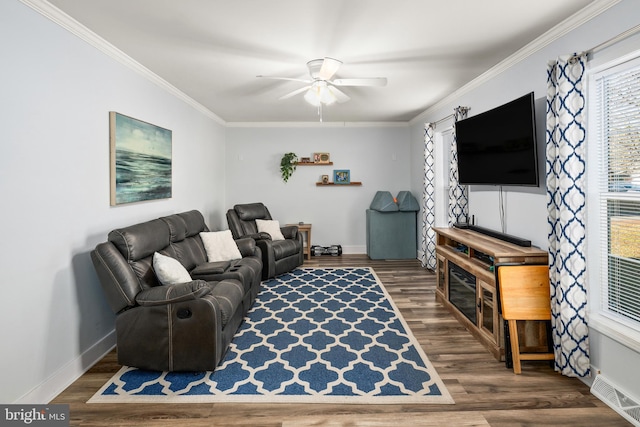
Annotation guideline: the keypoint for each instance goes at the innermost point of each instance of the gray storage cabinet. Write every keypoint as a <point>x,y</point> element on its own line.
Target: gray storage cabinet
<point>392,226</point>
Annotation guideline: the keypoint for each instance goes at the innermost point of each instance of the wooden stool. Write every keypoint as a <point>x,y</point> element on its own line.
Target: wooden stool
<point>524,295</point>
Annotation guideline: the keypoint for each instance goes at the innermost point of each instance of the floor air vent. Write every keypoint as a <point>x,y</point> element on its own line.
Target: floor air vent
<point>620,402</point>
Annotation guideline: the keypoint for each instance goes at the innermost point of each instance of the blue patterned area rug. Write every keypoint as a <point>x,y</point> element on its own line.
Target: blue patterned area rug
<point>315,335</point>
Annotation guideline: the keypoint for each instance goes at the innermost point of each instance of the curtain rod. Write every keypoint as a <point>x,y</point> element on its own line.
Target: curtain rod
<point>613,40</point>
<point>437,122</point>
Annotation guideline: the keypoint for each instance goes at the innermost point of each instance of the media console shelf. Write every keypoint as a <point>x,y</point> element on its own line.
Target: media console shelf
<point>466,282</point>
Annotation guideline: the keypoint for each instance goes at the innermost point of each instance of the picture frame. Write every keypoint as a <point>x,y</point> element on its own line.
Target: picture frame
<point>321,158</point>
<point>140,160</point>
<point>325,179</point>
<point>341,176</point>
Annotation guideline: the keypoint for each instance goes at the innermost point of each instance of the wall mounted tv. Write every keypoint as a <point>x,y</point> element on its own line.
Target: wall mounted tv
<point>498,147</point>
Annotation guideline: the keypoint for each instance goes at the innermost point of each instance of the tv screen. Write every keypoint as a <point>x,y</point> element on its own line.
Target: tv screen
<point>498,147</point>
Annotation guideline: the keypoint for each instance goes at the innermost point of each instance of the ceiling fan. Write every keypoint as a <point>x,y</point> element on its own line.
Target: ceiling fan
<point>322,88</point>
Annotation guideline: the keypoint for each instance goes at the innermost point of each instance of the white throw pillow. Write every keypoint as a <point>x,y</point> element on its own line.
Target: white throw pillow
<point>270,226</point>
<point>169,270</point>
<point>220,246</point>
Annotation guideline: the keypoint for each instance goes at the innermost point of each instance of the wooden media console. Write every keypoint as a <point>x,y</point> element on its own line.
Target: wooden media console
<point>466,283</point>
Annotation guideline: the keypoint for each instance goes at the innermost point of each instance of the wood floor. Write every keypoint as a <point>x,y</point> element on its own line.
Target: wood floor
<point>485,392</point>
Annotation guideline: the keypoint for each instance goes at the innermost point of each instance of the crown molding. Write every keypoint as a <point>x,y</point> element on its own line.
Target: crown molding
<point>54,14</point>
<point>314,124</point>
<point>576,20</point>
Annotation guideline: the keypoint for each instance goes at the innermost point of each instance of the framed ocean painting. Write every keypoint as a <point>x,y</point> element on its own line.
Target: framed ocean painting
<point>140,157</point>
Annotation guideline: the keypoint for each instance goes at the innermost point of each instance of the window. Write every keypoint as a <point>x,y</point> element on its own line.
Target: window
<point>614,116</point>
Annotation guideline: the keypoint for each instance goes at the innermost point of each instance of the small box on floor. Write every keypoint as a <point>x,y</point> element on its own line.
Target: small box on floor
<point>334,250</point>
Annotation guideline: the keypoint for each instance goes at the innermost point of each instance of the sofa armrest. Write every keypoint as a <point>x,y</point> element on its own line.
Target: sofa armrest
<point>247,246</point>
<point>217,267</point>
<point>163,295</point>
<point>117,278</point>
<point>257,236</point>
<point>289,231</point>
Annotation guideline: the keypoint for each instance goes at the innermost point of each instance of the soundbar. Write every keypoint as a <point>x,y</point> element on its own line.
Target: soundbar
<point>502,236</point>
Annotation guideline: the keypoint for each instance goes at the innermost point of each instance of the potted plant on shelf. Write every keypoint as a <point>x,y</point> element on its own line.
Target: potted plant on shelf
<point>288,165</point>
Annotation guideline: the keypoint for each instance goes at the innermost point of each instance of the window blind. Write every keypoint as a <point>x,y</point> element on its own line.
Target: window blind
<point>618,126</point>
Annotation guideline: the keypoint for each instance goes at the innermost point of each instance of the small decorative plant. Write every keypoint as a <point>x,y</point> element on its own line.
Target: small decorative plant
<point>288,165</point>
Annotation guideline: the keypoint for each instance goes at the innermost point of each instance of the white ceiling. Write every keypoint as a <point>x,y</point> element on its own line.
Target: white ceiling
<point>212,50</point>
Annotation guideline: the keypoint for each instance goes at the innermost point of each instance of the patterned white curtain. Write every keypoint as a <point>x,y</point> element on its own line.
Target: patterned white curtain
<point>566,181</point>
<point>428,257</point>
<point>458,197</point>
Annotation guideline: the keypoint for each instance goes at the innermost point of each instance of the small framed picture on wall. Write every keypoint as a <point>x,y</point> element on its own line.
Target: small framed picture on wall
<point>341,176</point>
<point>321,158</point>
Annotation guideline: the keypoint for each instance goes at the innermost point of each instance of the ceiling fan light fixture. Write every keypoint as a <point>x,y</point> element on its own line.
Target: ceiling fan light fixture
<point>319,93</point>
<point>312,97</point>
<point>327,98</point>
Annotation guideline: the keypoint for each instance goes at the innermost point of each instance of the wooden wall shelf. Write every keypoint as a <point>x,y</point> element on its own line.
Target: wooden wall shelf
<point>320,184</point>
<point>313,164</point>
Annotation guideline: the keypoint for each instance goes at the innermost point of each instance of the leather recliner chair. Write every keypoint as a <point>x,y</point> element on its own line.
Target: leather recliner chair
<point>278,256</point>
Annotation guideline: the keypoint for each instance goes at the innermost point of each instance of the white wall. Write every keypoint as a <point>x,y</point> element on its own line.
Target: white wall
<point>57,92</point>
<point>526,207</point>
<point>376,155</point>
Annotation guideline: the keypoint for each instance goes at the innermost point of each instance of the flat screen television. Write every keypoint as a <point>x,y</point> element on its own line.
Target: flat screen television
<point>498,147</point>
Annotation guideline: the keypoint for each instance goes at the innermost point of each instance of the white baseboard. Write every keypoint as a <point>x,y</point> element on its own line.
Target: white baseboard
<point>359,250</point>
<point>351,250</point>
<point>65,376</point>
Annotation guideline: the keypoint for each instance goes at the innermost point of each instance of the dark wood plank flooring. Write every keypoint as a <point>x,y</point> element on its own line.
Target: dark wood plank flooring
<point>485,392</point>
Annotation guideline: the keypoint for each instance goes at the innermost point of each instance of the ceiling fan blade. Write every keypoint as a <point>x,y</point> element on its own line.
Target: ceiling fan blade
<point>366,81</point>
<point>284,78</point>
<point>295,92</point>
<point>329,68</point>
<point>340,95</point>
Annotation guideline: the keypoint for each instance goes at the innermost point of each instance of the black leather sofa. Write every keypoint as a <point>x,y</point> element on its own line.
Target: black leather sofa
<point>180,327</point>
<point>278,256</point>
